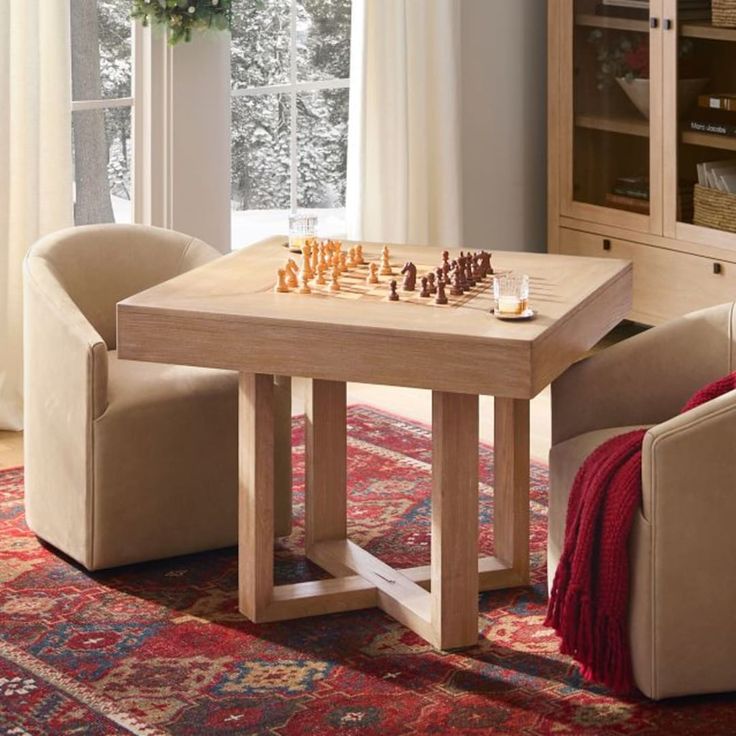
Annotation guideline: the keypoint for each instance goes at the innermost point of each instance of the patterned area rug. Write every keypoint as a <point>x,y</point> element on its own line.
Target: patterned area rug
<point>160,648</point>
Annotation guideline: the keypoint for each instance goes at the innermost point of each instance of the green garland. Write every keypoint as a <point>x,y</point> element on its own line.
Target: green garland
<point>182,16</point>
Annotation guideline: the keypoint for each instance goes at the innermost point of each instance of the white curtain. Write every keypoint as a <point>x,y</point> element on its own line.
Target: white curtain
<point>404,158</point>
<point>35,163</point>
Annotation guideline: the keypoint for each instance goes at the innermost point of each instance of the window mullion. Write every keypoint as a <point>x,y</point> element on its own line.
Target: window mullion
<point>292,100</point>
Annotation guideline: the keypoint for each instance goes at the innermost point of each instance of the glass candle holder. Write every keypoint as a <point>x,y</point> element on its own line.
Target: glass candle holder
<point>511,293</point>
<point>302,229</point>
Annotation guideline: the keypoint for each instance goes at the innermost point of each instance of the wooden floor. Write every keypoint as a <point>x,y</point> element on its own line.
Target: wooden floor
<point>411,403</point>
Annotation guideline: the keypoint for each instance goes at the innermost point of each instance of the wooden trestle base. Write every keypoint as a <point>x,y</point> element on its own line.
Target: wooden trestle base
<point>439,601</point>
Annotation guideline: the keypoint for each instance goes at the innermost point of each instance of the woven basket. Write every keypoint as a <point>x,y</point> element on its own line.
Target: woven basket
<point>715,209</point>
<point>724,13</point>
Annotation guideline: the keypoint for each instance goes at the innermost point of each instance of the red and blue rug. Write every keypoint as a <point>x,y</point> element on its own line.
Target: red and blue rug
<point>160,648</point>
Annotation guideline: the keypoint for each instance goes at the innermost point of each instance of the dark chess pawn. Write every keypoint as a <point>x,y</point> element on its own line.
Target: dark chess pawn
<point>425,288</point>
<point>432,284</point>
<point>445,257</point>
<point>394,295</point>
<point>457,285</point>
<point>469,273</point>
<point>441,297</point>
<point>462,281</point>
<point>410,276</point>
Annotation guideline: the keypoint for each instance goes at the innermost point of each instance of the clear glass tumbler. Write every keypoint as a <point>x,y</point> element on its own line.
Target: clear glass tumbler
<point>302,229</point>
<point>511,294</point>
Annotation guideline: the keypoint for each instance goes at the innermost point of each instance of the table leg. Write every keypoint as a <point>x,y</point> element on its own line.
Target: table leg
<point>454,569</point>
<point>256,525</point>
<point>511,489</point>
<point>325,504</point>
<point>282,456</point>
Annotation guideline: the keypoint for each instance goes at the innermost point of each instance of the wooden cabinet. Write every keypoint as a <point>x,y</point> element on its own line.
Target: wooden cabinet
<point>624,97</point>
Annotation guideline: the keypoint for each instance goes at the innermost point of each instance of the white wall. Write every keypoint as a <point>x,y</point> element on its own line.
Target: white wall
<point>504,124</point>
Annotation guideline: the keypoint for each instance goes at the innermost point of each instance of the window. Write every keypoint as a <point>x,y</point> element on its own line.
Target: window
<point>290,84</point>
<point>101,34</point>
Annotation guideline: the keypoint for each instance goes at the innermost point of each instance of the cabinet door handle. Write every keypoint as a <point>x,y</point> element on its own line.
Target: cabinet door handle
<point>717,268</point>
<point>654,22</point>
<point>668,24</point>
<point>606,244</point>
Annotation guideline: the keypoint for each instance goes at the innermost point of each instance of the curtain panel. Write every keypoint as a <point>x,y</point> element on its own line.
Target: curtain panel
<point>404,154</point>
<point>35,163</point>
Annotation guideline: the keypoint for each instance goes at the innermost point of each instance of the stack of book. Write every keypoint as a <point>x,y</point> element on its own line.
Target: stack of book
<point>716,116</point>
<point>688,10</point>
<point>632,193</point>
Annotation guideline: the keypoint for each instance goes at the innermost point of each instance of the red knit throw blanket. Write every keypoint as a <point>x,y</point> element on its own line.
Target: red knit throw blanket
<point>588,606</point>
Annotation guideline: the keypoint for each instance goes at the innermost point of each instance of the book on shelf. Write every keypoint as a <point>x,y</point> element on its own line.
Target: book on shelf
<point>636,187</point>
<point>633,204</point>
<point>712,127</point>
<point>720,101</point>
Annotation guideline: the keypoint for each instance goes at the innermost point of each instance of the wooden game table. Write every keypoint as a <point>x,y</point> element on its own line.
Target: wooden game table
<point>226,315</point>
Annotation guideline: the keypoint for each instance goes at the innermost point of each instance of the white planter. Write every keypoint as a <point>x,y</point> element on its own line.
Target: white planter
<point>637,90</point>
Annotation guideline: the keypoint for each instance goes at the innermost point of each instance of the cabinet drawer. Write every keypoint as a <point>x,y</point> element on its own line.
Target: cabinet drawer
<point>667,283</point>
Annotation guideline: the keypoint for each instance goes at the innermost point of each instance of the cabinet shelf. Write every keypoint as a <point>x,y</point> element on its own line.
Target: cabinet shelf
<point>689,29</point>
<point>725,143</point>
<point>707,31</point>
<point>606,21</point>
<point>619,124</point>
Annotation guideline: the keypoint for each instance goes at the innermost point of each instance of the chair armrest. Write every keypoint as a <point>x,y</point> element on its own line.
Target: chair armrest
<point>689,499</point>
<point>689,461</point>
<point>646,379</point>
<point>65,383</point>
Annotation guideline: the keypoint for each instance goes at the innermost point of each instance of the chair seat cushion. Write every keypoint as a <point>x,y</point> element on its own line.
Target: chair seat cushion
<point>565,460</point>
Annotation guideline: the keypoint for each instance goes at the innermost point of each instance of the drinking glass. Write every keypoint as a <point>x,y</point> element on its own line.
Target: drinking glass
<point>511,293</point>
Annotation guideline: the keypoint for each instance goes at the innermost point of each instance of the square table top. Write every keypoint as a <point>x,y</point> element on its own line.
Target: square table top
<point>226,314</point>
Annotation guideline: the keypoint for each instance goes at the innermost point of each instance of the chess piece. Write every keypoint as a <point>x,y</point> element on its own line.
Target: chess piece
<point>322,255</point>
<point>445,258</point>
<point>441,297</point>
<point>335,285</point>
<point>282,287</point>
<point>394,295</point>
<point>457,287</point>
<point>291,270</point>
<point>469,273</point>
<point>425,288</point>
<point>304,279</point>
<point>373,275</point>
<point>353,258</point>
<point>477,270</point>
<point>432,282</point>
<point>486,267</point>
<point>321,268</point>
<point>315,258</point>
<point>409,272</point>
<point>307,260</point>
<point>343,261</point>
<point>386,269</point>
<point>359,255</point>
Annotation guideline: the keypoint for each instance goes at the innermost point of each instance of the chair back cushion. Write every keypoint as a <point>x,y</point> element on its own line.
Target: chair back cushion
<point>99,265</point>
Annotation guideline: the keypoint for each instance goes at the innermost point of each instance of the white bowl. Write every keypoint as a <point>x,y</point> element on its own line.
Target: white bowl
<point>637,90</point>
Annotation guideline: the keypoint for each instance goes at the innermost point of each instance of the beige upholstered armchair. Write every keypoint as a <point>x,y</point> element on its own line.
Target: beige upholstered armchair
<point>125,461</point>
<point>683,546</point>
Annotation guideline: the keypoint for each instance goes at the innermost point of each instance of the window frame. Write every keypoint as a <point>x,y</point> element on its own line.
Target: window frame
<point>107,103</point>
<point>292,88</point>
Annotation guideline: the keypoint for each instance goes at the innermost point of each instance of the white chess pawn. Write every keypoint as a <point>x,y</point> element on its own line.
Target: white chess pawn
<point>373,275</point>
<point>304,288</point>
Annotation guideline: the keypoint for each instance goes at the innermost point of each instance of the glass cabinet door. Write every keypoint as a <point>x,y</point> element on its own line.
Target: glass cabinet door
<point>700,112</point>
<point>615,66</point>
